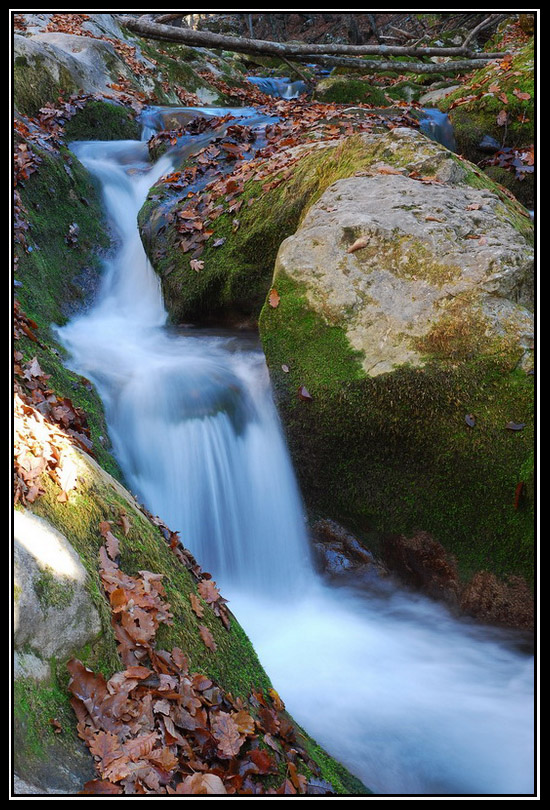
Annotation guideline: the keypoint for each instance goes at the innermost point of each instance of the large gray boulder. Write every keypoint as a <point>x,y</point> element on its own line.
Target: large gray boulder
<point>388,258</point>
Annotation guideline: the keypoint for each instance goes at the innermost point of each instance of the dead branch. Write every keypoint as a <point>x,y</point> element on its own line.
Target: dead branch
<point>207,39</point>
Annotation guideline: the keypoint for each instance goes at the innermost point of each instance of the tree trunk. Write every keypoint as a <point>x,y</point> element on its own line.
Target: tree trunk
<point>207,39</point>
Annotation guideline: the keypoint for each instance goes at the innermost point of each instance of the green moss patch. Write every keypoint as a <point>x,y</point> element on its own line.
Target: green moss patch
<point>478,117</point>
<point>102,121</point>
<point>394,453</point>
<point>343,90</point>
<point>57,277</point>
<point>34,86</point>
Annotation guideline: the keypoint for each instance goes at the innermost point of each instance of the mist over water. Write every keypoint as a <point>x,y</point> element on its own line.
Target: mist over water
<point>412,700</point>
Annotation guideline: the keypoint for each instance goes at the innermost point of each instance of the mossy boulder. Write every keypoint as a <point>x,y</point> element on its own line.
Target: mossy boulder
<point>387,442</point>
<point>346,90</point>
<point>238,263</point>
<point>52,64</point>
<point>102,121</point>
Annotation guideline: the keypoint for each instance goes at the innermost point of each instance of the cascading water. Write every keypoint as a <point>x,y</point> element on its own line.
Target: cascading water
<point>278,87</point>
<point>410,699</point>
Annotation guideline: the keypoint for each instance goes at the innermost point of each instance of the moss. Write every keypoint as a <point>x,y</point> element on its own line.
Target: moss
<point>56,278</point>
<point>406,91</point>
<point>102,121</point>
<point>51,592</point>
<point>393,453</point>
<point>464,333</point>
<point>237,275</point>
<point>478,117</point>
<point>523,190</point>
<point>234,665</point>
<point>350,91</point>
<point>177,66</point>
<point>406,257</point>
<point>34,86</point>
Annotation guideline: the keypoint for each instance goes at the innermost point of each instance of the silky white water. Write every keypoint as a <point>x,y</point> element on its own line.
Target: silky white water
<point>410,699</point>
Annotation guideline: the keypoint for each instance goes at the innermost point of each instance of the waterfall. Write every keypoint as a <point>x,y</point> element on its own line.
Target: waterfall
<point>278,87</point>
<point>412,700</point>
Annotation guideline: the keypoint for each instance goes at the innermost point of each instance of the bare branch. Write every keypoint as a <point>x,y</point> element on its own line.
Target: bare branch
<point>493,19</point>
<point>207,39</point>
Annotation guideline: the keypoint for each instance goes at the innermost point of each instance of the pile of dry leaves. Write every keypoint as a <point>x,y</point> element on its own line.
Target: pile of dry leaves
<point>155,728</point>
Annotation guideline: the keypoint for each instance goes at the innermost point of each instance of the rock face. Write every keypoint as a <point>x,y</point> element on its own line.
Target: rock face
<point>387,258</point>
<point>47,63</point>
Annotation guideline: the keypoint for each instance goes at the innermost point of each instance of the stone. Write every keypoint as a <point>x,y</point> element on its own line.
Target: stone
<point>53,613</point>
<point>432,97</point>
<point>488,144</point>
<point>427,246</point>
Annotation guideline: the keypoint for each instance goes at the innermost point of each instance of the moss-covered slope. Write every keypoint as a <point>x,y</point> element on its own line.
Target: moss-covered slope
<point>234,665</point>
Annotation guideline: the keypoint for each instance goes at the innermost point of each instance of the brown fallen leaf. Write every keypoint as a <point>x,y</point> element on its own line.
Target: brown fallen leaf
<point>208,591</point>
<point>359,243</point>
<point>226,733</point>
<point>196,605</point>
<point>502,118</point>
<point>304,394</point>
<point>274,298</point>
<point>208,638</point>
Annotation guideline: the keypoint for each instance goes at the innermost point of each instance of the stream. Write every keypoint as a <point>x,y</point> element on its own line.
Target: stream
<point>412,700</point>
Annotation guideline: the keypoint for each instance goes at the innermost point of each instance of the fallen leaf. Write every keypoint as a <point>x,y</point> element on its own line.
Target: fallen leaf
<point>226,733</point>
<point>470,420</point>
<point>515,425</point>
<point>359,243</point>
<point>274,299</point>
<point>196,265</point>
<point>304,394</point>
<point>196,605</point>
<point>208,638</point>
<point>502,118</point>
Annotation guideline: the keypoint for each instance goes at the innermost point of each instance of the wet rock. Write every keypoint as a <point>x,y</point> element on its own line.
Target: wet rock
<point>422,562</point>
<point>432,97</point>
<point>497,602</point>
<point>488,144</point>
<point>339,552</point>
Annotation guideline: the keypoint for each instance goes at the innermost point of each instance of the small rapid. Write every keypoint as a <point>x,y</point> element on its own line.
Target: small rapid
<point>410,699</point>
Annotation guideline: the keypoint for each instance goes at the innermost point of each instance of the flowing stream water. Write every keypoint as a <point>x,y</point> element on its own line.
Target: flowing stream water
<point>412,700</point>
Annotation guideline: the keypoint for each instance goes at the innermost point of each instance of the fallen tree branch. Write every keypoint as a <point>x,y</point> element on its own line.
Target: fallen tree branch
<point>297,70</point>
<point>207,39</point>
<point>493,19</point>
<point>378,65</point>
